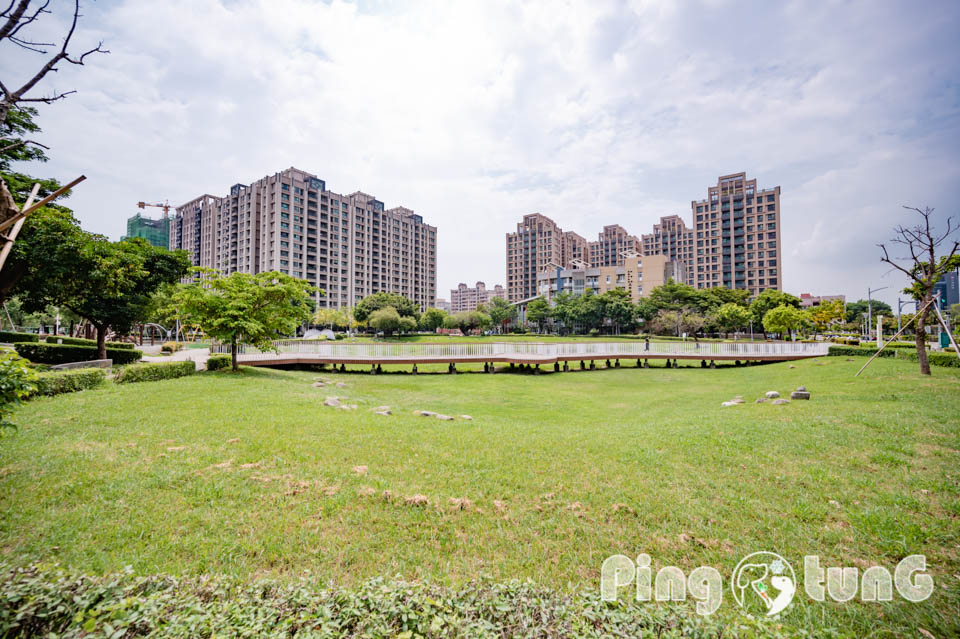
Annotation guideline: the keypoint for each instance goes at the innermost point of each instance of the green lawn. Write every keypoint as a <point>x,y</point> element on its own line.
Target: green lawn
<point>251,475</point>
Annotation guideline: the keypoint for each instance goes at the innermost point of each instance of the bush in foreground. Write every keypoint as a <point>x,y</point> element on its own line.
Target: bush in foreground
<point>11,337</point>
<point>218,362</point>
<point>153,372</point>
<point>57,382</point>
<point>81,341</point>
<point>17,382</point>
<point>66,353</point>
<point>42,601</point>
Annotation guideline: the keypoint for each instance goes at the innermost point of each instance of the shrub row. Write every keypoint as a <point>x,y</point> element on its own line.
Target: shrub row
<point>936,359</point>
<point>12,337</point>
<point>219,362</point>
<point>848,351</point>
<point>80,341</point>
<point>57,382</point>
<point>66,353</point>
<point>152,372</point>
<point>42,601</point>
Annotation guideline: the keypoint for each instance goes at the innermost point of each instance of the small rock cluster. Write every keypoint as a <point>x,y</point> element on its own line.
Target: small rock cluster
<point>440,416</point>
<point>773,397</point>
<point>334,402</point>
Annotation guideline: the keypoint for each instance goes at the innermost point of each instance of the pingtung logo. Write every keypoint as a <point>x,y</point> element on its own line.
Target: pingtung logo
<point>766,578</point>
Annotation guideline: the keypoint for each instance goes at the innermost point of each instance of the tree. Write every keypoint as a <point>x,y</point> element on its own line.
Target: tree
<point>617,307</point>
<point>826,314</point>
<point>432,319</point>
<point>769,300</point>
<point>783,319</point>
<point>720,295</point>
<point>855,310</point>
<point>674,296</point>
<point>15,21</point>
<point>404,306</point>
<point>333,317</point>
<point>955,315</point>
<point>501,312</point>
<point>563,310</point>
<point>685,320</point>
<point>253,308</point>
<point>538,310</point>
<point>109,284</point>
<point>385,319</point>
<point>407,325</point>
<point>924,267</point>
<point>731,316</point>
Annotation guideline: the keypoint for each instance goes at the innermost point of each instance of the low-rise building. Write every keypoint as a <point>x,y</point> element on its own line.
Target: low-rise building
<point>638,275</point>
<point>807,300</point>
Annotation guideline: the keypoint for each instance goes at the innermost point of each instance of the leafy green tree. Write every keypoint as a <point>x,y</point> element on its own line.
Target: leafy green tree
<point>857,310</point>
<point>719,295</point>
<point>685,320</point>
<point>385,319</point>
<point>563,310</point>
<point>769,300</point>
<point>432,319</point>
<point>333,318</point>
<point>617,307</point>
<point>731,317</point>
<point>255,309</point>
<point>588,311</point>
<point>501,312</point>
<point>955,315</point>
<point>826,314</point>
<point>538,311</point>
<point>783,319</point>
<point>673,296</point>
<point>109,284</point>
<point>404,306</point>
<point>407,325</point>
<point>646,311</point>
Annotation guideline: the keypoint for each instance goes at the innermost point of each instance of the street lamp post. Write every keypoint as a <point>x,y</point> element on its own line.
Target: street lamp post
<point>870,307</point>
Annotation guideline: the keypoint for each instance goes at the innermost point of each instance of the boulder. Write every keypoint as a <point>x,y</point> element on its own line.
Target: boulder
<point>761,400</point>
<point>778,402</point>
<point>737,400</point>
<point>446,418</point>
<point>331,401</point>
<point>424,413</point>
<point>800,393</point>
<point>772,394</point>
<point>729,403</point>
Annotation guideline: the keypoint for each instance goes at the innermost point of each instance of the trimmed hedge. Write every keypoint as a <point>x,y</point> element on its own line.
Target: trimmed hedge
<point>155,371</point>
<point>80,341</point>
<point>219,362</point>
<point>949,359</point>
<point>66,353</point>
<point>57,382</point>
<point>12,337</point>
<point>848,351</point>
<point>41,601</point>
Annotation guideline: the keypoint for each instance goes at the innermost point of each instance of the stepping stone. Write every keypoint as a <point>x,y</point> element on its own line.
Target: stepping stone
<point>762,400</point>
<point>446,418</point>
<point>467,417</point>
<point>331,401</point>
<point>800,393</point>
<point>772,394</point>
<point>778,402</point>
<point>382,412</point>
<point>729,403</point>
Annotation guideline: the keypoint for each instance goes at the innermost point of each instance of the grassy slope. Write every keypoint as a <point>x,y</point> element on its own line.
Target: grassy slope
<point>865,473</point>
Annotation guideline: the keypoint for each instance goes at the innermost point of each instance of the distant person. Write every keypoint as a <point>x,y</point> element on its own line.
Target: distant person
<point>646,343</point>
<point>696,343</point>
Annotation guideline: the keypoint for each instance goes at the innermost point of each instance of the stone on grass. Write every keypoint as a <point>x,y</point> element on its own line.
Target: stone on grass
<point>761,400</point>
<point>382,408</point>
<point>800,393</point>
<point>466,417</point>
<point>382,412</point>
<point>778,402</point>
<point>341,385</point>
<point>446,418</point>
<point>728,404</point>
<point>772,394</point>
<point>791,366</point>
<point>319,384</point>
<point>737,400</point>
<point>331,401</point>
<point>424,413</point>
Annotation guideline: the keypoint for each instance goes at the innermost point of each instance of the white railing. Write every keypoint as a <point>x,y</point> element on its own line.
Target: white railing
<point>533,350</point>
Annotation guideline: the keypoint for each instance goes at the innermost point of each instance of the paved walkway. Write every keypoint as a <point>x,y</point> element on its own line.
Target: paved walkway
<point>198,356</point>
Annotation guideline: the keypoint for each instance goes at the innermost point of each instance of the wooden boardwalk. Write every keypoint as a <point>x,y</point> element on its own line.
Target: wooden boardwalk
<point>287,352</point>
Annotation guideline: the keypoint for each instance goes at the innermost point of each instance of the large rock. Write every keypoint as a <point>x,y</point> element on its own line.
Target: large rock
<point>778,402</point>
<point>800,393</point>
<point>331,401</point>
<point>772,394</point>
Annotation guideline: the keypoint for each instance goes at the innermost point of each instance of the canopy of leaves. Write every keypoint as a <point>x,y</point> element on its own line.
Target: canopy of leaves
<point>769,300</point>
<point>826,314</point>
<point>858,309</point>
<point>385,319</point>
<point>404,306</point>
<point>254,309</point>
<point>783,319</point>
<point>731,316</point>
<point>432,319</point>
<point>500,311</point>
<point>538,310</point>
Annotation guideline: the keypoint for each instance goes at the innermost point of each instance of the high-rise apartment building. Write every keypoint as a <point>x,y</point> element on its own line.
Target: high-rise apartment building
<point>611,245</point>
<point>673,239</point>
<point>350,246</point>
<point>537,243</point>
<point>464,298</point>
<point>155,232</point>
<point>737,236</point>
<point>575,247</point>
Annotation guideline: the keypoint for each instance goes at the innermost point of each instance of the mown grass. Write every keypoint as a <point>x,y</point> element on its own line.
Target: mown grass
<point>250,475</point>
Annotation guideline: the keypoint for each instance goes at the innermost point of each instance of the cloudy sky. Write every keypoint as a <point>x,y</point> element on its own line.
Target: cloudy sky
<point>476,113</point>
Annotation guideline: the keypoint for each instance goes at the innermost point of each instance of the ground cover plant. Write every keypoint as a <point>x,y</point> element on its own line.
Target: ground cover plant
<point>552,474</point>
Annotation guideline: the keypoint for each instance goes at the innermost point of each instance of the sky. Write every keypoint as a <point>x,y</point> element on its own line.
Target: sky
<point>474,114</point>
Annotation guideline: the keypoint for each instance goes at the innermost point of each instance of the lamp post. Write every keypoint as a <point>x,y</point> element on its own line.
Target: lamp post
<point>870,307</point>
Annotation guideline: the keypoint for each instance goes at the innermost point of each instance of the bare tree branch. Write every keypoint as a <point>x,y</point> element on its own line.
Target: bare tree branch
<point>13,146</point>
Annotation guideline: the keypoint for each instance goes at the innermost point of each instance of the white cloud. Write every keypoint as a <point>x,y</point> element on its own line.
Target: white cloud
<point>475,113</point>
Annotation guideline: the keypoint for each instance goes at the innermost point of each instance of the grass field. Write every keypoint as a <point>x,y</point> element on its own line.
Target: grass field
<point>250,475</point>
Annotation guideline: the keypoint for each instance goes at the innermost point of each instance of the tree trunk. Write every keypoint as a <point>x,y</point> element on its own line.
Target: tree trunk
<point>233,355</point>
<point>101,342</point>
<point>921,341</point>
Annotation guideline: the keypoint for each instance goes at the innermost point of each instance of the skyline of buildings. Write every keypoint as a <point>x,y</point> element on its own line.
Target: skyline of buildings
<point>349,246</point>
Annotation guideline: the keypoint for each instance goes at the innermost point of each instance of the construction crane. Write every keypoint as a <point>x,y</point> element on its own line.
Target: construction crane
<point>165,206</point>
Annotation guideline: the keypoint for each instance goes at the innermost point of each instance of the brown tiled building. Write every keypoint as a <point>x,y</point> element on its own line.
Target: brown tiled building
<point>610,246</point>
<point>464,298</point>
<point>673,239</point>
<point>348,245</point>
<point>737,236</point>
<point>537,243</point>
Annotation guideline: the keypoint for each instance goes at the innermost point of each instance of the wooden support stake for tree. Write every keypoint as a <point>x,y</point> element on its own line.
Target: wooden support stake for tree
<point>915,316</point>
<point>29,207</point>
